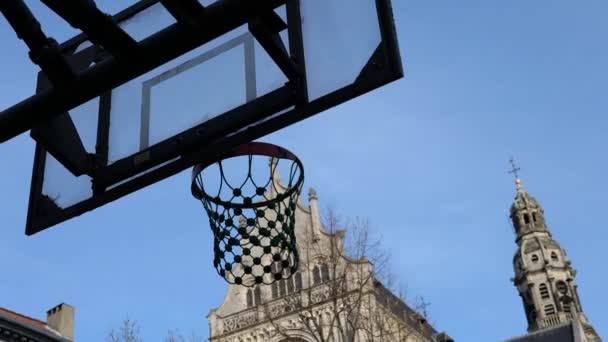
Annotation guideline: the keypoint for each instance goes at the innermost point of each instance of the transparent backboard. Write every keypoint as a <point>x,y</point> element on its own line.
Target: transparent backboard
<point>213,98</point>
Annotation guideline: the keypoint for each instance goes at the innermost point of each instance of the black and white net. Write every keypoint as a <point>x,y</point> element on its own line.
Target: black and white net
<point>252,219</point>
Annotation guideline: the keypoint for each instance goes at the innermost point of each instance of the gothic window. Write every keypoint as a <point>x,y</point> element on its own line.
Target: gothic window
<point>554,256</point>
<point>324,272</point>
<point>254,296</point>
<point>534,217</point>
<point>534,258</point>
<point>249,298</point>
<point>544,291</point>
<point>316,275</point>
<point>526,218</point>
<point>549,309</point>
<point>350,332</point>
<point>274,267</point>
<point>286,286</point>
<point>566,307</point>
<point>561,287</point>
<point>298,281</point>
<point>257,295</point>
<point>275,290</point>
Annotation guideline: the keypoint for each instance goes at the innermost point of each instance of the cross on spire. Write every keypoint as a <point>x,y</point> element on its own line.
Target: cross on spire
<point>514,169</point>
<point>515,172</point>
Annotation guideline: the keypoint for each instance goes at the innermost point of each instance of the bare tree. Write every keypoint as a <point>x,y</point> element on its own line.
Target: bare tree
<point>176,336</point>
<point>128,332</point>
<point>347,298</point>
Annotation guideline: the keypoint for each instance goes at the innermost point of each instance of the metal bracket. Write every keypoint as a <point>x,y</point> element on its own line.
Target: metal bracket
<point>44,51</point>
<point>99,27</point>
<point>265,29</point>
<point>188,12</point>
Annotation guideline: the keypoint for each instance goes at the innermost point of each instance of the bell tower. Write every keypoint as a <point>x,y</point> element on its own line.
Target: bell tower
<point>544,276</point>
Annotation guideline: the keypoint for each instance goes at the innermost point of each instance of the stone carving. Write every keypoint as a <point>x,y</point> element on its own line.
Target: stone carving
<point>241,321</point>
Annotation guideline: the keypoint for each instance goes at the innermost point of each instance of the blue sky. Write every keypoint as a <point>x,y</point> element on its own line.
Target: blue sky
<point>424,158</point>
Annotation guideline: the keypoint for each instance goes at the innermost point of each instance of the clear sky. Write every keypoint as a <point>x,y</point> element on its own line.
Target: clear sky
<point>425,159</point>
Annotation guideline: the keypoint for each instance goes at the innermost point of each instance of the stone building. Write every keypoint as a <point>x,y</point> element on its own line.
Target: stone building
<point>332,297</point>
<point>544,278</point>
<point>59,326</point>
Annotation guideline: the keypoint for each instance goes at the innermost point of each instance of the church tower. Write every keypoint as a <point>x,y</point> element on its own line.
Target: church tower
<point>544,275</point>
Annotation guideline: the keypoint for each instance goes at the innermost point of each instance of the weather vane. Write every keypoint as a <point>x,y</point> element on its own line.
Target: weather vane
<point>514,168</point>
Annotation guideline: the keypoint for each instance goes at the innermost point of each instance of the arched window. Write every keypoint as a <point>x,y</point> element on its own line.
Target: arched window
<point>554,256</point>
<point>324,273</point>
<point>526,218</point>
<point>316,275</point>
<point>549,309</point>
<point>561,287</point>
<point>298,280</point>
<point>254,296</point>
<point>275,290</point>
<point>544,291</point>
<point>282,288</point>
<point>534,217</point>
<point>257,295</point>
<point>249,298</point>
<point>566,306</point>
<point>286,286</point>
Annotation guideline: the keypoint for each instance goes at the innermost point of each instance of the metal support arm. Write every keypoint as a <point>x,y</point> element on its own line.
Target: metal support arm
<point>187,12</point>
<point>99,27</point>
<point>266,30</point>
<point>44,51</point>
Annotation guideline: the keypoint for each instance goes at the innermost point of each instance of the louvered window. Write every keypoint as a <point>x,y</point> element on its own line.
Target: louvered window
<point>544,291</point>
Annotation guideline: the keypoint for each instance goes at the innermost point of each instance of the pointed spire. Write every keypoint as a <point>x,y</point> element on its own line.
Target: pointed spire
<point>314,211</point>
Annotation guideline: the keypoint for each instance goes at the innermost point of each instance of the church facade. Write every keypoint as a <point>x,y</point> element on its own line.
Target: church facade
<point>332,297</point>
<point>545,279</point>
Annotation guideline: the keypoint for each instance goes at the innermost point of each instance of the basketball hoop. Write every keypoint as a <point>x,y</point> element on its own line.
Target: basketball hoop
<point>253,223</point>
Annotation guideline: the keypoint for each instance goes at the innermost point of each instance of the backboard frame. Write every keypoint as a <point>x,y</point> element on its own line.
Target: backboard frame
<point>208,141</point>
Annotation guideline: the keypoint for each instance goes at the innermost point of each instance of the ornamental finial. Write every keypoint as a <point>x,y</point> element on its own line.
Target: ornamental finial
<point>312,194</point>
